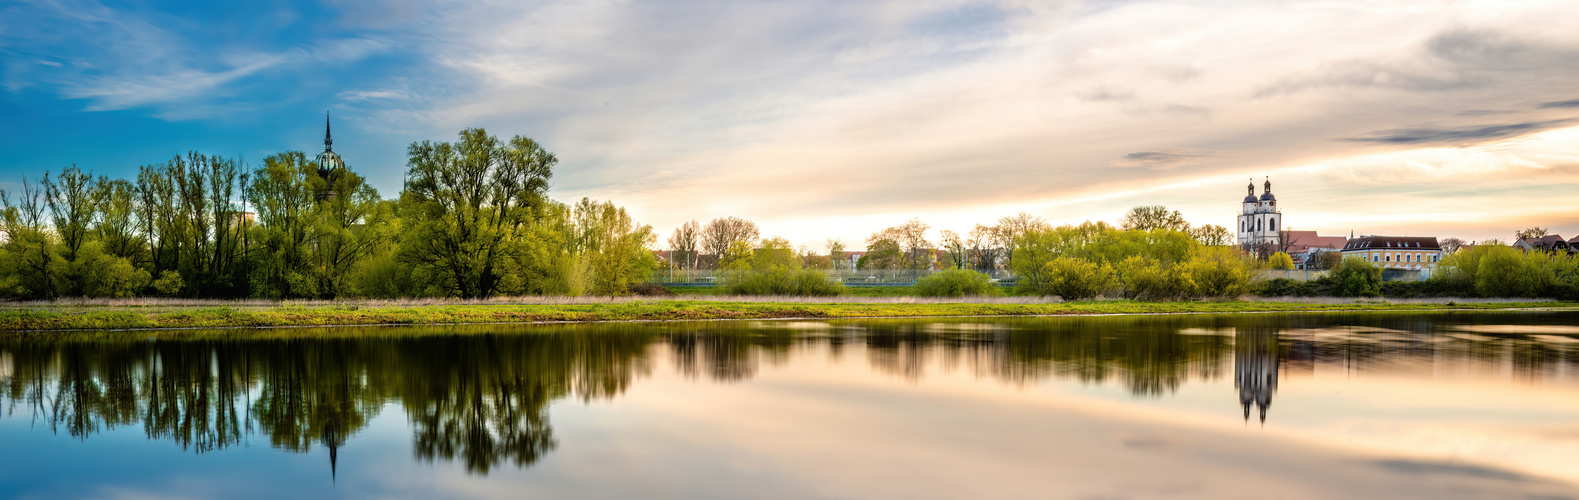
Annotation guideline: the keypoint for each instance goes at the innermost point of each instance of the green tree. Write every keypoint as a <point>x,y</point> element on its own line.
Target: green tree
<point>882,253</point>
<point>468,200</point>
<point>1508,272</point>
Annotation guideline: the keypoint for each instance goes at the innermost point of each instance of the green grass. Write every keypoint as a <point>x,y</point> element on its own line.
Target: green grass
<point>69,317</point>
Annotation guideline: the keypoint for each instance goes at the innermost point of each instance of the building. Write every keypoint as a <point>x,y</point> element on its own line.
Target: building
<point>330,166</point>
<point>1306,246</point>
<point>1258,222</point>
<point>1396,252</point>
<point>1550,243</point>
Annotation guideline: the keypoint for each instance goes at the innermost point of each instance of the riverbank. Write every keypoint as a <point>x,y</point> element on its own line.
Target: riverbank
<point>136,314</point>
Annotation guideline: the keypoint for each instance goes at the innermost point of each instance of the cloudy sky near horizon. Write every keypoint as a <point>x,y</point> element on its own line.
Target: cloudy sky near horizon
<point>832,118</point>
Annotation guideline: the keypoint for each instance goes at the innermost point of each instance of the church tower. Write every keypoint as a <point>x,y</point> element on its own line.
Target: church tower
<point>1259,220</point>
<point>330,166</point>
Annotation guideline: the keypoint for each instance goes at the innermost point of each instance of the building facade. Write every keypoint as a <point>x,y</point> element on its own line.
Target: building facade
<point>1396,252</point>
<point>1259,222</point>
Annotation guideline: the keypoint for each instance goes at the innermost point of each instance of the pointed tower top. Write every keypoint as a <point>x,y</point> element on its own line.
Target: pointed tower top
<point>328,143</point>
<point>1252,187</point>
<point>1269,184</point>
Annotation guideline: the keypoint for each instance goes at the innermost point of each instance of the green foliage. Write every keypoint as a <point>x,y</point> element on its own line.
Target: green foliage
<point>1145,278</point>
<point>882,253</point>
<point>956,283</point>
<point>1220,273</point>
<point>468,201</point>
<point>774,270</point>
<point>1508,272</point>
<point>780,280</point>
<point>1075,279</point>
<point>1356,277</point>
<point>100,274</point>
<point>1281,261</point>
<point>169,284</point>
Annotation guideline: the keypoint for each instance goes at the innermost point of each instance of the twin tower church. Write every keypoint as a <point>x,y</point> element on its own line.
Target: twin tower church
<point>1258,222</point>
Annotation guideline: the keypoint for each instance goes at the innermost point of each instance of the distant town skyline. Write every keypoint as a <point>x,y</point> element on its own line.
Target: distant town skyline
<point>829,119</point>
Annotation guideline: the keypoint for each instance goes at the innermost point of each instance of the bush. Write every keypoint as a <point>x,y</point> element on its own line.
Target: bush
<point>1508,272</point>
<point>1356,277</point>
<point>169,284</point>
<point>779,280</point>
<point>1220,273</point>
<point>955,283</point>
<point>650,290</point>
<point>1145,278</point>
<point>1076,279</point>
<point>1280,260</point>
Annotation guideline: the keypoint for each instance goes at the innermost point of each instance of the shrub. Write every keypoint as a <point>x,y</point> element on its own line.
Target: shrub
<point>779,280</point>
<point>169,284</point>
<point>1356,277</point>
<point>1508,272</point>
<point>1280,260</point>
<point>1076,279</point>
<point>1220,273</point>
<point>955,283</point>
<point>1145,278</point>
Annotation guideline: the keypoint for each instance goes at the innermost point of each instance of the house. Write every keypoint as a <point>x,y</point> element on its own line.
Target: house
<point>1305,246</point>
<point>1550,243</point>
<point>1396,252</point>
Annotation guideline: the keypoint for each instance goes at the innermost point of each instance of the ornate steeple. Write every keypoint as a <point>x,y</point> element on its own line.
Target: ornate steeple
<point>328,143</point>
<point>1268,184</point>
<point>1251,187</point>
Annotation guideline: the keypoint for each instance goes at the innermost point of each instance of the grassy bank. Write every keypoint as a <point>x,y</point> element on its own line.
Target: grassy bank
<point>254,314</point>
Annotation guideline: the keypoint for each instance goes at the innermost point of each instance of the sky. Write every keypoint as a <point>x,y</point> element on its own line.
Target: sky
<point>834,118</point>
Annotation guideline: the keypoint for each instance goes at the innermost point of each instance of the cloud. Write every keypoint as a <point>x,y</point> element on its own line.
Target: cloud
<point>1459,135</point>
<point>118,59</point>
<point>1161,160</point>
<point>1571,103</point>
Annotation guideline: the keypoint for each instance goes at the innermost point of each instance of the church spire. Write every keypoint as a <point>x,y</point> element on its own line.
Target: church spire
<point>328,143</point>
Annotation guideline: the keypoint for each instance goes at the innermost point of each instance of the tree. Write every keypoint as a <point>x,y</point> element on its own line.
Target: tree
<point>912,239</point>
<point>284,198</point>
<point>683,244</point>
<point>881,254</point>
<point>959,257</point>
<point>722,233</point>
<point>1281,261</point>
<point>1148,217</point>
<point>987,246</point>
<point>836,252</point>
<point>1213,235</point>
<point>30,267</point>
<point>1529,232</point>
<point>1451,245</point>
<point>467,200</point>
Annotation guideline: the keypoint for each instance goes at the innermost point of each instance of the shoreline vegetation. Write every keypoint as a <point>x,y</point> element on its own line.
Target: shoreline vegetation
<point>124,314</point>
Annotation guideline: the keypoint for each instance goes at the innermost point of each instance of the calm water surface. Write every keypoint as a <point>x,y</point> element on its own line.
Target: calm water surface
<point>1250,406</point>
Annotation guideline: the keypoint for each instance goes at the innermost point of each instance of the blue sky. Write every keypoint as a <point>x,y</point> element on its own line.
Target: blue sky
<point>824,119</point>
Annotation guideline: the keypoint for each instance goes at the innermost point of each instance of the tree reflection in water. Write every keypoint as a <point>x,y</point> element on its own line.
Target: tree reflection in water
<point>479,395</point>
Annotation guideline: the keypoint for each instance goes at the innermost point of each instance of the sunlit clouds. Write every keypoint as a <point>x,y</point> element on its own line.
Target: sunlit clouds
<point>824,119</point>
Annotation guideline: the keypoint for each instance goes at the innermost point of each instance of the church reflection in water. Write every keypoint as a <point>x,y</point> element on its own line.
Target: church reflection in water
<point>480,395</point>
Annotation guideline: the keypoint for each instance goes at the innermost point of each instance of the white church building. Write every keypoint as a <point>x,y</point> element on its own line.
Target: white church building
<point>1258,222</point>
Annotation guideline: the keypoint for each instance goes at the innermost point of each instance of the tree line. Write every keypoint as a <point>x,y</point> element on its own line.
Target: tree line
<point>473,220</point>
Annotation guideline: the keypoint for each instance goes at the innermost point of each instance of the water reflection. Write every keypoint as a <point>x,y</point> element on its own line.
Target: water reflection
<point>480,395</point>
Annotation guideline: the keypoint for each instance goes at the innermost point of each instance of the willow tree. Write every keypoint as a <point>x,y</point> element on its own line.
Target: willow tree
<point>469,200</point>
